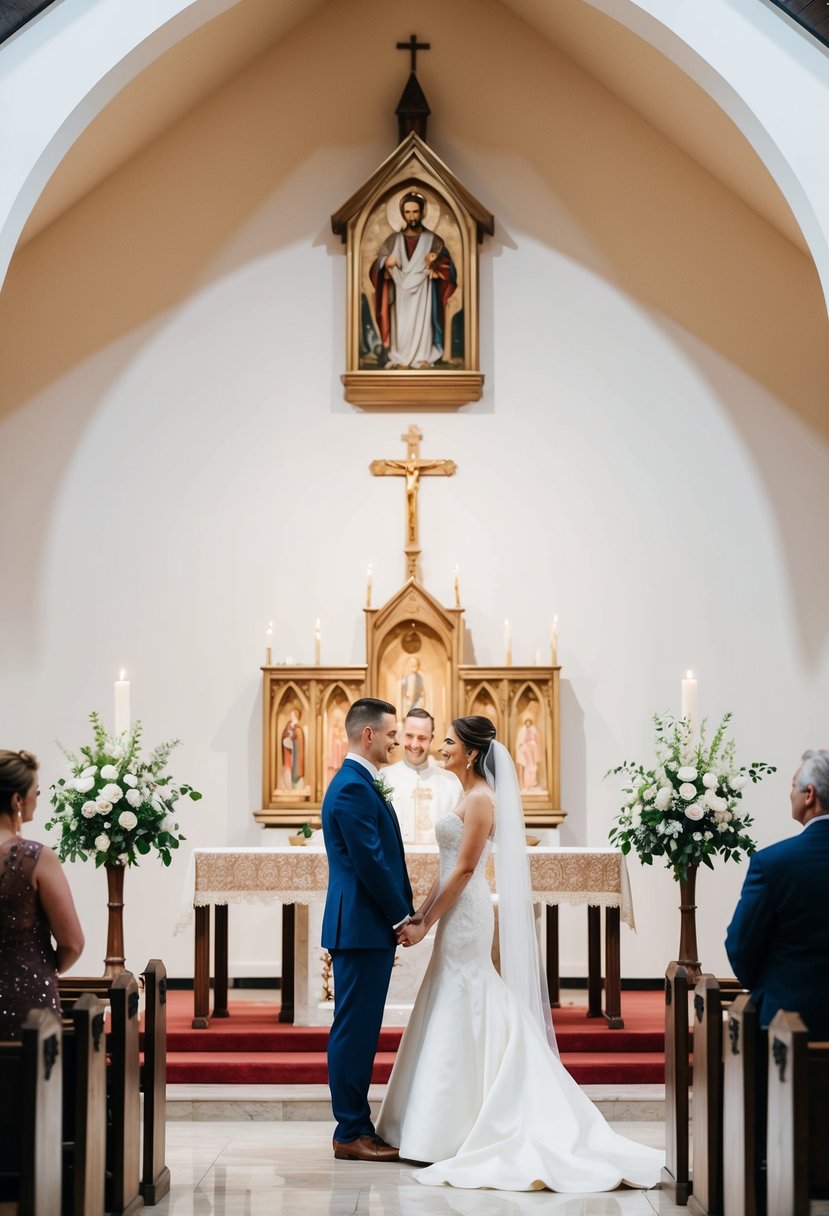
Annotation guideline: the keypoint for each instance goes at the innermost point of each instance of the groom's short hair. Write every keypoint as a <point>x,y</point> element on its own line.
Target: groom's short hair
<point>367,711</point>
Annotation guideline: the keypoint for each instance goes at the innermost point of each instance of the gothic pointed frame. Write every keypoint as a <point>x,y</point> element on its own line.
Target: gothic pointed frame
<point>457,379</point>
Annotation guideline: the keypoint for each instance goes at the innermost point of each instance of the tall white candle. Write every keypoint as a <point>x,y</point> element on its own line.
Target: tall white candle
<point>368,586</point>
<point>457,587</point>
<point>507,644</point>
<point>689,698</point>
<point>122,704</point>
<point>554,642</point>
<point>537,657</point>
<point>269,644</point>
<point>317,642</point>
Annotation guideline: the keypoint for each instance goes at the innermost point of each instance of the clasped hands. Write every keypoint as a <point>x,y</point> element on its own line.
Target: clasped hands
<point>413,932</point>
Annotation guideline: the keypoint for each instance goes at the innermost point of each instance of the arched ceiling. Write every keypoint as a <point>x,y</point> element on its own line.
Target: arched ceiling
<point>624,64</point>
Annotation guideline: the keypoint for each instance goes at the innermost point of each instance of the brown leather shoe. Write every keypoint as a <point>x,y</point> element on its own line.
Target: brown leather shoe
<point>364,1148</point>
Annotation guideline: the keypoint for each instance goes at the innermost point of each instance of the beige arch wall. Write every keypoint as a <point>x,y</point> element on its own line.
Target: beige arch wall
<point>649,460</point>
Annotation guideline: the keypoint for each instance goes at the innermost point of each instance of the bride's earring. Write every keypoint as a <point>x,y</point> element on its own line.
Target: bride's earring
<point>469,764</point>
<point>19,826</point>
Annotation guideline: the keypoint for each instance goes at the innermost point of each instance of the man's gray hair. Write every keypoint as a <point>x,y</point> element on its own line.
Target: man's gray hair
<point>815,771</point>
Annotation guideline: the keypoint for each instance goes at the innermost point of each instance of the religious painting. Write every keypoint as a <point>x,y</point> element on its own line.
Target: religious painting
<point>411,283</point>
<point>304,739</point>
<point>528,747</point>
<point>483,705</point>
<point>415,673</point>
<point>292,736</point>
<point>412,232</point>
<point>333,732</point>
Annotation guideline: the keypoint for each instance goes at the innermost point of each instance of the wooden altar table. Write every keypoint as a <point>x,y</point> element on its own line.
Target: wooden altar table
<point>219,877</point>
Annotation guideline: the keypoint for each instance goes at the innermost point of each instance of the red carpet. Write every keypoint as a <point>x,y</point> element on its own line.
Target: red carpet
<point>251,1047</point>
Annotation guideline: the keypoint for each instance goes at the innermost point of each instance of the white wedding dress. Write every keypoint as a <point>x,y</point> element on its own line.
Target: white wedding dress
<point>476,1090</point>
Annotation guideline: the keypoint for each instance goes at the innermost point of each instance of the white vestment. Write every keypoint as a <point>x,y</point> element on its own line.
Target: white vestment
<point>411,337</point>
<point>421,796</point>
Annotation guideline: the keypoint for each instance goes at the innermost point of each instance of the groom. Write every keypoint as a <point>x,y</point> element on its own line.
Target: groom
<point>369,897</point>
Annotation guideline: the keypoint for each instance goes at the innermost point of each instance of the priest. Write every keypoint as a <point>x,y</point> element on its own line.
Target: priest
<point>421,790</point>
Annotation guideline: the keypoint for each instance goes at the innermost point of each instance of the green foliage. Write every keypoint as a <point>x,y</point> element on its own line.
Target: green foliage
<point>114,805</point>
<point>687,807</point>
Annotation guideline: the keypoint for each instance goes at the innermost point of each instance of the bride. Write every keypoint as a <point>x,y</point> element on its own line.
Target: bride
<point>477,1088</point>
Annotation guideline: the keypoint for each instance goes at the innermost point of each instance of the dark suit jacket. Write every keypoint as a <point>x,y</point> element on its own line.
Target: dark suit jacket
<point>778,939</point>
<point>368,886</point>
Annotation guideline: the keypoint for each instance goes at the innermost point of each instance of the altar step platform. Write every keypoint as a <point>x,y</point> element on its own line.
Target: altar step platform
<point>249,1066</point>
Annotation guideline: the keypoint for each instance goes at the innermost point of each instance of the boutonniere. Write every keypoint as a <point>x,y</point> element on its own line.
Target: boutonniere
<point>383,789</point>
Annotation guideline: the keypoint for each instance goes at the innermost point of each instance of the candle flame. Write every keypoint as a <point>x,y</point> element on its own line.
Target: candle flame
<point>689,675</point>
<point>122,675</point>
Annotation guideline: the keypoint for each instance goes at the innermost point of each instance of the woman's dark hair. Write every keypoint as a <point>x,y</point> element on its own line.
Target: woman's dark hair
<point>476,732</point>
<point>17,772</point>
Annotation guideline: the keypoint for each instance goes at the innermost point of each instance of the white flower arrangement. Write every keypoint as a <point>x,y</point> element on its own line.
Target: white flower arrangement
<point>115,805</point>
<point>687,808</point>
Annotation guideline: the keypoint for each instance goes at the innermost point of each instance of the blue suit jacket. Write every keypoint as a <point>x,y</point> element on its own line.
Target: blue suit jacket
<point>368,886</point>
<point>778,939</point>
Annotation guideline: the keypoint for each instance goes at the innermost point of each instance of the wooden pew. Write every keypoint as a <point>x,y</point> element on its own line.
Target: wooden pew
<point>84,1108</point>
<point>707,1174</point>
<point>798,1117</point>
<point>744,1086</point>
<point>155,1176</point>
<point>30,1117</point>
<point>676,1178</point>
<point>123,1140</point>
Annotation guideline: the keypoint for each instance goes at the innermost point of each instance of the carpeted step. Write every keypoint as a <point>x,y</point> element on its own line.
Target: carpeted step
<point>310,1068</point>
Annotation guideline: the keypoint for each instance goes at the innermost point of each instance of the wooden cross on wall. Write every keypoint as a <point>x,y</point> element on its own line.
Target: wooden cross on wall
<point>412,468</point>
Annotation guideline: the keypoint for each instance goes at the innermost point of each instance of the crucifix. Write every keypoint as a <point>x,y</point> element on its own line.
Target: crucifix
<point>413,46</point>
<point>412,468</point>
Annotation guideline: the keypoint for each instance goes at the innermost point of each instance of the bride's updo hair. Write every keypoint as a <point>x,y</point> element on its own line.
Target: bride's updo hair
<point>476,732</point>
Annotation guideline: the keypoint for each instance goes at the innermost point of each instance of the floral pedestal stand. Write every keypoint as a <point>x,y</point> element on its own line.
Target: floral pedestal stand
<point>688,952</point>
<point>114,961</point>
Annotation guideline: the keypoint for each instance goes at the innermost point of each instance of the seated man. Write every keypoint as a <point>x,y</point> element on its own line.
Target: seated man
<point>778,940</point>
<point>422,790</point>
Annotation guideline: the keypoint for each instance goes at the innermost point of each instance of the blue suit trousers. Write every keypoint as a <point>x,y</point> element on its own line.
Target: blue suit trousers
<point>361,981</point>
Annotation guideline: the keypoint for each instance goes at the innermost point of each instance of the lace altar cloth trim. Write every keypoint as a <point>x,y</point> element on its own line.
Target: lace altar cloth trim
<point>596,877</point>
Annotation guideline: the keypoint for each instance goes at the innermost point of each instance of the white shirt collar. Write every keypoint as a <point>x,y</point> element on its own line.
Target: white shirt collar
<point>373,772</point>
<point>817,819</point>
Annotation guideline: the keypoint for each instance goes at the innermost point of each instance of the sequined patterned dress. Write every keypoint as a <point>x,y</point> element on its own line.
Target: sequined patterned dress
<point>28,978</point>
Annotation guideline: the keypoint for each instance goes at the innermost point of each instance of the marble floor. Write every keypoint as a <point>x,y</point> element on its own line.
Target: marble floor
<point>287,1169</point>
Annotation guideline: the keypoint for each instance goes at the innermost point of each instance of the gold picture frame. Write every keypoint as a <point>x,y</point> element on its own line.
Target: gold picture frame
<point>429,356</point>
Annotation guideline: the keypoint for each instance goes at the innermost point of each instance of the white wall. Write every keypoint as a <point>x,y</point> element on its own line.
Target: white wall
<point>178,465</point>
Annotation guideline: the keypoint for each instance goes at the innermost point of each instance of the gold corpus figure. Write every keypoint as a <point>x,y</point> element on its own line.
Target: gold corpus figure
<point>412,468</point>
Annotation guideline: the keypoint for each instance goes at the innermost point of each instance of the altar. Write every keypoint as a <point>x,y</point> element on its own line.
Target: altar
<point>297,879</point>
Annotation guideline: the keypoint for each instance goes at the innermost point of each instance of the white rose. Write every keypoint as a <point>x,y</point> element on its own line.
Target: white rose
<point>687,791</point>
<point>649,794</point>
<point>109,772</point>
<point>738,782</point>
<point>127,820</point>
<point>710,781</point>
<point>83,784</point>
<point>89,810</point>
<point>719,804</point>
<point>687,774</point>
<point>102,843</point>
<point>123,858</point>
<point>722,827</point>
<point>694,811</point>
<point>91,771</point>
<point>104,807</point>
<point>709,835</point>
<point>663,798</point>
<point>697,835</point>
<point>130,780</point>
<point>111,793</point>
<point>133,797</point>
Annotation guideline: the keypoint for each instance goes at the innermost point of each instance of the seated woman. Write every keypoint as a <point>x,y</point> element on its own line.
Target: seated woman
<point>36,904</point>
